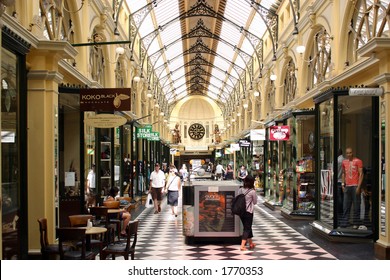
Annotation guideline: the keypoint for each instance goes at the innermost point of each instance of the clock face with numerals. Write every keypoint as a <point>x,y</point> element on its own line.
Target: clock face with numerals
<point>196,131</point>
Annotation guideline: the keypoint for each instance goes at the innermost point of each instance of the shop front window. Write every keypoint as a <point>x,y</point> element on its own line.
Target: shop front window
<point>10,157</point>
<point>355,131</point>
<point>326,149</point>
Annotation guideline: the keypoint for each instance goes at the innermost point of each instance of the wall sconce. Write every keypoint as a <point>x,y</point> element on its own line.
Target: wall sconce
<point>300,49</point>
<point>149,94</point>
<point>119,50</point>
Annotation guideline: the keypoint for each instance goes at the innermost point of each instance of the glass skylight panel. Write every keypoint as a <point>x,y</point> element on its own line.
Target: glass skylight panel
<point>136,5</point>
<point>166,11</point>
<point>258,26</point>
<point>237,11</point>
<point>171,33</point>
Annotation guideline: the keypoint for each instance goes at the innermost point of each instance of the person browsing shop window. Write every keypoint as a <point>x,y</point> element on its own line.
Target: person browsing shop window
<point>352,179</point>
<point>173,186</point>
<point>247,218</point>
<point>157,183</point>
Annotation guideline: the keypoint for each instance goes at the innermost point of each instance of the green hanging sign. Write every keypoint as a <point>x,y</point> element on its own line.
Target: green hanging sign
<point>144,132</point>
<point>154,136</point>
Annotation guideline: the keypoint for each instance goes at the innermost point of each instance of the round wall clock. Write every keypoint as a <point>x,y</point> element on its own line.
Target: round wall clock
<point>196,131</point>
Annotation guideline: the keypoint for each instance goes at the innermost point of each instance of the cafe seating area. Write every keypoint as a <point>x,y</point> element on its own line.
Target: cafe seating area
<point>93,235</point>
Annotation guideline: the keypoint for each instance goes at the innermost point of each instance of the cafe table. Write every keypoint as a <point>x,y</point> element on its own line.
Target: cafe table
<point>92,231</point>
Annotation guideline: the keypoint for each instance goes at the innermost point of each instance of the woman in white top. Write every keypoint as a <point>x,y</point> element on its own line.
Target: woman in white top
<point>173,186</point>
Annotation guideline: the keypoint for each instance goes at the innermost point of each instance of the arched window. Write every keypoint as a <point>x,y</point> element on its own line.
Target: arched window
<point>370,19</point>
<point>319,59</point>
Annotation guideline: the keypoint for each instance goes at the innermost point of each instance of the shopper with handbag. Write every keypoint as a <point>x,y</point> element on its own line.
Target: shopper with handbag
<point>173,186</point>
<point>247,217</point>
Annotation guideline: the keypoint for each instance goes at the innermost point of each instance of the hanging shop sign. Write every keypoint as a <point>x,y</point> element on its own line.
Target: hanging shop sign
<point>257,134</point>
<point>366,91</point>
<point>105,121</point>
<point>279,133</point>
<point>234,147</point>
<point>244,143</point>
<point>154,136</point>
<point>105,99</point>
<point>143,132</point>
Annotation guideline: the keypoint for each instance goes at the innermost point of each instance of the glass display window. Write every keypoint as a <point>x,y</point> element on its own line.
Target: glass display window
<point>299,164</point>
<point>348,158</point>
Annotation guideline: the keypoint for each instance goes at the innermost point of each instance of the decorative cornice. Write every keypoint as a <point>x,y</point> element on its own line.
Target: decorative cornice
<point>45,75</point>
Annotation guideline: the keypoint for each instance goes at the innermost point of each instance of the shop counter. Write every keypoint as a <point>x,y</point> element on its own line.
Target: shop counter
<point>207,212</point>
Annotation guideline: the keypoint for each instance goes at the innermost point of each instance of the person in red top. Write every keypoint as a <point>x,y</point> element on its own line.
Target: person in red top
<point>352,179</point>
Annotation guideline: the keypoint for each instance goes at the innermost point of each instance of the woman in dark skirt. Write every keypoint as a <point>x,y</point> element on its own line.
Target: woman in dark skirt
<point>172,186</point>
<point>247,218</point>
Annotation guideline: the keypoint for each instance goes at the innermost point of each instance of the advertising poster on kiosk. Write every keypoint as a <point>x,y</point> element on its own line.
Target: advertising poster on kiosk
<point>214,212</point>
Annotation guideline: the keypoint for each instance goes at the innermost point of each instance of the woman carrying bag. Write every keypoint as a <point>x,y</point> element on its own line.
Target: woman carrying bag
<point>173,186</point>
<point>247,217</point>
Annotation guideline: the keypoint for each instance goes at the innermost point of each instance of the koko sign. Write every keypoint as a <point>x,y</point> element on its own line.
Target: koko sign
<point>105,99</point>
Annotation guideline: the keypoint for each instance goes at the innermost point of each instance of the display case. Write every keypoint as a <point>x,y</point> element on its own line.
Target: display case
<point>300,176</point>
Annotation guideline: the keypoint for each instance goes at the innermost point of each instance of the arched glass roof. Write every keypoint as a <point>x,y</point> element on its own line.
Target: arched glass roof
<point>201,46</point>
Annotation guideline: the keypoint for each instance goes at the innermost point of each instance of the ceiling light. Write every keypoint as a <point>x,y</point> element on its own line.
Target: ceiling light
<point>245,105</point>
<point>256,93</point>
<point>272,77</point>
<point>137,79</point>
<point>238,114</point>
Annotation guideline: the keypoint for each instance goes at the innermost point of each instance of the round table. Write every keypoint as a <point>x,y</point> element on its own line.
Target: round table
<point>91,231</point>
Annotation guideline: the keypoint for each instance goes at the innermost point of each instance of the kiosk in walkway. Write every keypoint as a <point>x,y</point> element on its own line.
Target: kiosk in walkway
<point>207,215</point>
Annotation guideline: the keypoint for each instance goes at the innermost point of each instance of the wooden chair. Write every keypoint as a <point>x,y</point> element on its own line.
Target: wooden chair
<point>81,221</point>
<point>73,235</point>
<point>48,250</point>
<point>123,249</point>
<point>114,218</point>
<point>102,218</point>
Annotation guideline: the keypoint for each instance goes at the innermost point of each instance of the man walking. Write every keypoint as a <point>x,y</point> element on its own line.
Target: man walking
<point>157,183</point>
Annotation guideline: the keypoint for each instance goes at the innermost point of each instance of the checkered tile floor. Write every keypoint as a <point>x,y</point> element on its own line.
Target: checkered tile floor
<point>160,238</point>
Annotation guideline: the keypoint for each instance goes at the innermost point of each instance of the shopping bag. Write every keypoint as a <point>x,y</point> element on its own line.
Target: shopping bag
<point>149,201</point>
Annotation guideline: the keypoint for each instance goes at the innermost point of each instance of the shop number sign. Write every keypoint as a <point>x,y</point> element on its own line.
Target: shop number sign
<point>279,133</point>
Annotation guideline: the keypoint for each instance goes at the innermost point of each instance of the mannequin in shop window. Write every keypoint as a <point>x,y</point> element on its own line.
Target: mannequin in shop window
<point>340,194</point>
<point>352,178</point>
<point>91,187</point>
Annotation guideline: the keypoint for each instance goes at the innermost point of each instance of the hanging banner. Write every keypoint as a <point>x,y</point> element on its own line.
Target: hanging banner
<point>105,99</point>
<point>279,133</point>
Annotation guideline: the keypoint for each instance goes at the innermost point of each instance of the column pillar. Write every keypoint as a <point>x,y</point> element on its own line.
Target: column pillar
<point>42,82</point>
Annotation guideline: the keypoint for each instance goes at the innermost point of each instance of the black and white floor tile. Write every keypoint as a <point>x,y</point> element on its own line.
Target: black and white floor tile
<point>160,238</point>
